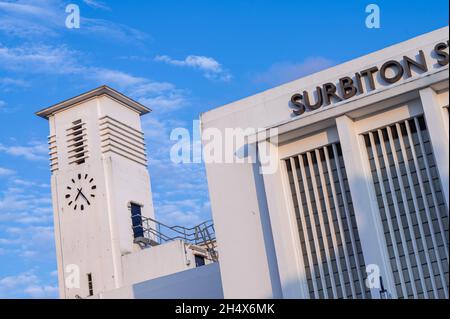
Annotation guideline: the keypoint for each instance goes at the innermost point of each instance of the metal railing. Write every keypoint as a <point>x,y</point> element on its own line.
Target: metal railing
<point>156,233</point>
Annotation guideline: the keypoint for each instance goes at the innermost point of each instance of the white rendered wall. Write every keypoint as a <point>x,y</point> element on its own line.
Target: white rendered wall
<point>197,283</point>
<point>157,261</point>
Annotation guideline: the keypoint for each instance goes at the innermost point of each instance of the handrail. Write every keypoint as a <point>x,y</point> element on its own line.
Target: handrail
<point>201,234</point>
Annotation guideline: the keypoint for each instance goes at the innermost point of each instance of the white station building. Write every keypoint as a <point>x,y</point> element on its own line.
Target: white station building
<point>357,207</point>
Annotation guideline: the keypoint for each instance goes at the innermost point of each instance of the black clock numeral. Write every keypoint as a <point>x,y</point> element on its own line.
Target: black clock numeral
<point>69,188</point>
<point>75,207</point>
<point>73,181</point>
<point>94,187</point>
<point>91,180</point>
<point>68,196</point>
<point>82,207</point>
<point>79,176</point>
<point>70,203</point>
<point>92,195</point>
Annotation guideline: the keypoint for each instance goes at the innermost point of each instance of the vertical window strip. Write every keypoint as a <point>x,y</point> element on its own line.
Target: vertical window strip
<point>432,187</point>
<point>399,224</point>
<point>313,226</point>
<point>417,206</point>
<point>328,213</point>
<point>315,187</point>
<point>404,198</point>
<point>302,225</point>
<point>333,257</point>
<point>428,205</point>
<point>414,215</point>
<point>390,230</point>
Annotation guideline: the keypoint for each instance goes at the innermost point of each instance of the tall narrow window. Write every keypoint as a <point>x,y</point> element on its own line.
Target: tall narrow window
<point>90,284</point>
<point>136,219</point>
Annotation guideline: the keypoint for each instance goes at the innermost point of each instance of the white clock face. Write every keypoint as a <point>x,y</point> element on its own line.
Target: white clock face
<point>80,192</point>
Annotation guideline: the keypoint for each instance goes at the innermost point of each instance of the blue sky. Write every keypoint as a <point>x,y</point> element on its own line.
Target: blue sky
<point>180,58</point>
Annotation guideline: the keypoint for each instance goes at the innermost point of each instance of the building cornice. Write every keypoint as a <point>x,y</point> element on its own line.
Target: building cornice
<point>100,91</point>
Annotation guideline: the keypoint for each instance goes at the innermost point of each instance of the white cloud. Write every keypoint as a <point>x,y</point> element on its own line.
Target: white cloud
<point>6,171</point>
<point>21,279</point>
<point>28,284</point>
<point>26,183</point>
<point>8,84</point>
<point>33,151</point>
<point>26,205</point>
<point>27,8</point>
<point>40,292</point>
<point>282,72</point>
<point>158,96</point>
<point>210,67</point>
<point>40,58</point>
<point>187,213</point>
<point>104,29</point>
<point>32,19</point>
<point>97,4</point>
<point>60,60</point>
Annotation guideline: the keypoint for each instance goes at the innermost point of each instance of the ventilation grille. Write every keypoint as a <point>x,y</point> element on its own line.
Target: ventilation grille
<point>77,143</point>
<point>123,140</point>
<point>53,153</point>
<point>331,249</point>
<point>412,207</point>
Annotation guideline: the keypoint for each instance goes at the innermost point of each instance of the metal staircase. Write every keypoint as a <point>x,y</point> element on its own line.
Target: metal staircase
<point>155,233</point>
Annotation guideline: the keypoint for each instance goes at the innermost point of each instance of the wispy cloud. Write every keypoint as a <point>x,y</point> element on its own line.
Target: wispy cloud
<point>31,18</point>
<point>24,204</point>
<point>188,212</point>
<point>27,283</point>
<point>40,58</point>
<point>60,60</point>
<point>37,19</point>
<point>26,221</point>
<point>97,5</point>
<point>105,29</point>
<point>282,72</point>
<point>209,66</point>
<point>181,201</point>
<point>27,8</point>
<point>9,84</point>
<point>33,151</point>
<point>6,171</point>
<point>5,108</point>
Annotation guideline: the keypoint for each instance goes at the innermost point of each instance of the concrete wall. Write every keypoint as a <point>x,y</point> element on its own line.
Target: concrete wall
<point>198,283</point>
<point>157,261</point>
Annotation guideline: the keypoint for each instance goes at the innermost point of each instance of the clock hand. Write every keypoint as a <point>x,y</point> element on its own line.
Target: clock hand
<point>79,192</point>
<point>85,198</point>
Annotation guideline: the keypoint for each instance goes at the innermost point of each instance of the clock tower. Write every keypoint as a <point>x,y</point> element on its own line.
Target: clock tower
<point>99,181</point>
